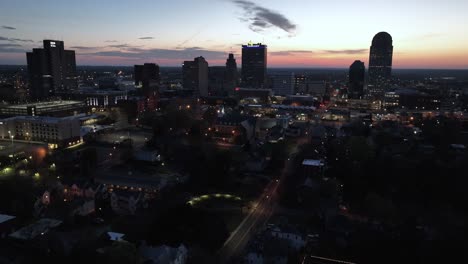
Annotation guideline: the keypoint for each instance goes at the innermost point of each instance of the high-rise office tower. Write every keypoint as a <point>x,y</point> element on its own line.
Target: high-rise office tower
<point>254,65</point>
<point>195,76</point>
<point>380,59</point>
<point>357,72</point>
<point>51,69</point>
<point>147,76</point>
<point>231,75</point>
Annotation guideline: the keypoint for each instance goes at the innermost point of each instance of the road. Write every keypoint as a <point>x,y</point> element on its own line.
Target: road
<point>263,209</point>
<point>139,137</point>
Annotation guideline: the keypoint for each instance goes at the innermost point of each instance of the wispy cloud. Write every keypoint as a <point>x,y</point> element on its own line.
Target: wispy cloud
<point>15,39</point>
<point>146,38</point>
<point>6,45</point>
<point>346,51</point>
<point>261,18</point>
<point>21,40</point>
<point>290,52</point>
<point>122,46</point>
<point>110,41</point>
<point>84,47</point>
<point>317,52</point>
<point>8,27</point>
<point>10,48</point>
<point>179,54</point>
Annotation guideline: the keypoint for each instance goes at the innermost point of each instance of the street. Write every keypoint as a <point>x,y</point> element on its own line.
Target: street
<point>264,208</point>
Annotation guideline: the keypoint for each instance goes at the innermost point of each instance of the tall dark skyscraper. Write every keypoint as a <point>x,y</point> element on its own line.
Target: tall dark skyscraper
<point>147,76</point>
<point>195,76</point>
<point>380,59</point>
<point>231,76</point>
<point>51,70</point>
<point>254,65</point>
<point>357,72</point>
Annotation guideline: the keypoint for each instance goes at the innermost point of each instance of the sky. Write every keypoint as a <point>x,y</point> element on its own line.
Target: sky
<point>299,33</point>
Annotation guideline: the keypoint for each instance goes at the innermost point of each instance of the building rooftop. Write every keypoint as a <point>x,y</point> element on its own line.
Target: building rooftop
<point>256,45</point>
<point>44,104</point>
<point>40,227</point>
<point>95,91</point>
<point>115,236</point>
<point>5,218</point>
<point>311,162</point>
<point>45,119</point>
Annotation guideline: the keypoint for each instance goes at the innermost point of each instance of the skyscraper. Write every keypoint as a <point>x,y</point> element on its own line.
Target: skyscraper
<point>254,65</point>
<point>195,76</point>
<point>147,76</point>
<point>51,70</point>
<point>357,72</point>
<point>380,59</point>
<point>231,76</point>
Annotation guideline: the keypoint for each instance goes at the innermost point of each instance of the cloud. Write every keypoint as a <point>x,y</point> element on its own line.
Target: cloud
<point>10,48</point>
<point>122,46</point>
<point>15,39</point>
<point>146,38</point>
<point>320,52</point>
<point>110,41</point>
<point>21,40</point>
<point>8,27</point>
<point>84,47</point>
<point>261,18</point>
<point>290,52</point>
<point>346,51</point>
<point>178,54</point>
<point>4,45</point>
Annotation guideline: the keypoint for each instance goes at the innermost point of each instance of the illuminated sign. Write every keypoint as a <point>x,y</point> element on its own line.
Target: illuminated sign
<point>52,44</point>
<point>251,45</point>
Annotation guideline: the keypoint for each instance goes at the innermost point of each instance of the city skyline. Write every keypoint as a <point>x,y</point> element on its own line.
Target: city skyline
<point>302,34</point>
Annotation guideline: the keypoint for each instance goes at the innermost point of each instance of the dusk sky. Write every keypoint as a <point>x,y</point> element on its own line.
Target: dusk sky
<point>299,33</point>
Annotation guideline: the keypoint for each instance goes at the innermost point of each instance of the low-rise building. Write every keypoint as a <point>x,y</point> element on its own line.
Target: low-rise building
<point>283,84</point>
<point>411,99</point>
<point>163,254</point>
<point>97,98</point>
<point>6,224</point>
<point>126,202</point>
<point>57,132</point>
<point>58,108</point>
<point>235,129</point>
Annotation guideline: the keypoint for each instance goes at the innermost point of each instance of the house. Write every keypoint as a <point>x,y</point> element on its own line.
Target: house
<point>39,228</point>
<point>163,254</point>
<point>294,238</point>
<point>126,202</point>
<point>7,224</point>
<point>234,128</point>
<point>275,245</point>
<point>113,236</point>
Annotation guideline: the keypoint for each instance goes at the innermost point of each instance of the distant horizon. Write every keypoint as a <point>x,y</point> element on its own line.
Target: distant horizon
<point>272,67</point>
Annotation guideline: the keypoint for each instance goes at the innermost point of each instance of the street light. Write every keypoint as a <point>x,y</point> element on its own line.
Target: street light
<point>11,136</point>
